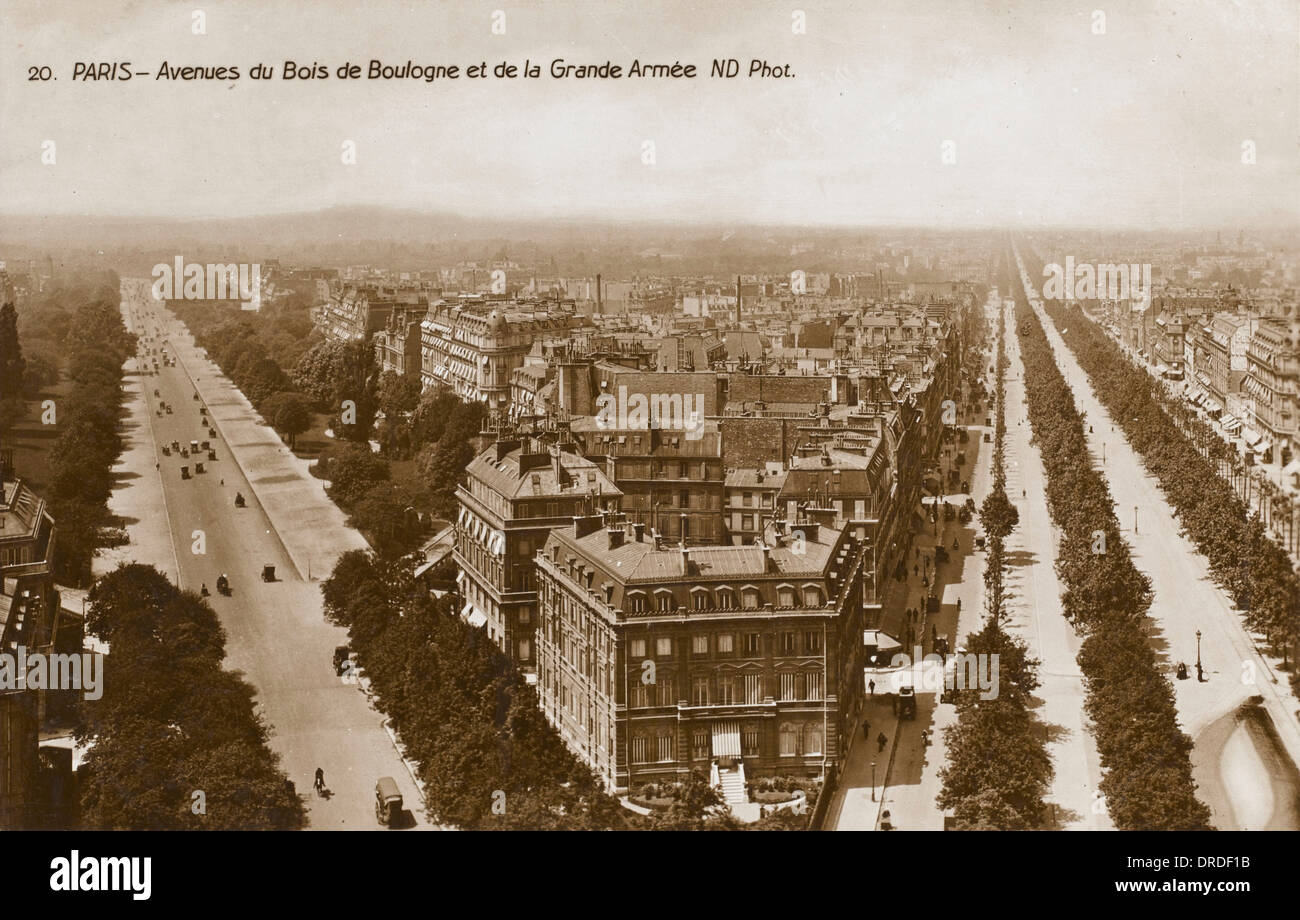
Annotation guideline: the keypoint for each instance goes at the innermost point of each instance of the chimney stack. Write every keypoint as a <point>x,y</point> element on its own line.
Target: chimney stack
<point>738,313</point>
<point>599,295</point>
<point>638,531</point>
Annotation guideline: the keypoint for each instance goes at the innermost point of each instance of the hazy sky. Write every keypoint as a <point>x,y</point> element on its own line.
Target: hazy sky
<point>1140,126</point>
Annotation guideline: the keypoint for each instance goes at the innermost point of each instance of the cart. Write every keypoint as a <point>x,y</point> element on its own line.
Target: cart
<point>166,451</point>
<point>223,586</point>
<point>212,454</point>
<point>239,500</point>
<point>268,572</point>
<point>185,472</point>
<point>176,445</point>
<point>198,467</point>
<point>212,432</point>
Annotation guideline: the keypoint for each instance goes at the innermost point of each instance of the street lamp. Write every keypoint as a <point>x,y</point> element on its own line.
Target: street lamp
<point>873,780</point>
<point>1135,518</point>
<point>1199,676</point>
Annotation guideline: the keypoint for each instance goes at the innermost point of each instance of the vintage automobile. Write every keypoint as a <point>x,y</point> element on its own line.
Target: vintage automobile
<point>212,454</point>
<point>166,451</point>
<point>185,472</point>
<point>268,572</point>
<point>198,468</point>
<point>388,801</point>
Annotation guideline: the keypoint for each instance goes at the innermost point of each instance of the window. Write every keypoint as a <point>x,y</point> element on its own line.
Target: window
<point>664,647</point>
<point>700,744</point>
<point>640,698</point>
<point>726,600</point>
<point>665,748</point>
<point>525,615</point>
<point>700,599</point>
<point>684,499</point>
<point>749,598</point>
<point>636,602</point>
<point>812,642</point>
<point>749,741</point>
<point>638,648</point>
<point>787,643</point>
<point>749,499</point>
<point>789,742</point>
<point>700,691</point>
<point>667,694</point>
<point>726,691</point>
<point>812,738</point>
<point>787,686</point>
<point>699,645</point>
<point>753,644</point>
<point>813,679</point>
<point>753,688</point>
<point>525,650</point>
<point>664,600</point>
<point>812,596</point>
<point>726,643</point>
<point>638,750</point>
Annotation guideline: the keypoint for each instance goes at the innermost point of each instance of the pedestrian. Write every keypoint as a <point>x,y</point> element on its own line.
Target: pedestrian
<point>871,687</point>
<point>881,740</point>
<point>959,604</point>
<point>866,730</point>
<point>916,570</point>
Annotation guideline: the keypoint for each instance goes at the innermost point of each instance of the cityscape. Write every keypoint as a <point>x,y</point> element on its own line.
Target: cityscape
<point>350,512</point>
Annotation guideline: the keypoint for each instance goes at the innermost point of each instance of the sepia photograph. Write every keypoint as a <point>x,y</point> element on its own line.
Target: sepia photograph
<point>668,416</point>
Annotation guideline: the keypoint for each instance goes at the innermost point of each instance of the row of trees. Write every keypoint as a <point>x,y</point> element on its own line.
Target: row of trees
<point>176,740</point>
<point>1185,455</point>
<point>998,768</point>
<point>81,460</point>
<point>1145,756</point>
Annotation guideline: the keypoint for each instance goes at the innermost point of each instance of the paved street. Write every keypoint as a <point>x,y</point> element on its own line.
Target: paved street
<point>1186,600</point>
<point>276,632</point>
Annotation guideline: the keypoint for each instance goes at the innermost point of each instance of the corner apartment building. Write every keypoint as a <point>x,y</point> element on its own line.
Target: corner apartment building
<point>514,494</point>
<point>356,313</point>
<point>655,660</point>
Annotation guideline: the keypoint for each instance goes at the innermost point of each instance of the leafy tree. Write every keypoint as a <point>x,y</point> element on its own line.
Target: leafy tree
<point>12,365</point>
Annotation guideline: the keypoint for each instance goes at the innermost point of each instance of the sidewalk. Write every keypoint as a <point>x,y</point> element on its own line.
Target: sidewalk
<point>311,527</point>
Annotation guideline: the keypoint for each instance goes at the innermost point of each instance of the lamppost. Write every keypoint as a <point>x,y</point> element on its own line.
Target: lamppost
<point>873,780</point>
<point>1135,518</point>
<point>1199,672</point>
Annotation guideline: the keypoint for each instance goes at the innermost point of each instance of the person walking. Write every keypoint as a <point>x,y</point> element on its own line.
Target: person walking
<point>866,730</point>
<point>871,688</point>
<point>881,741</point>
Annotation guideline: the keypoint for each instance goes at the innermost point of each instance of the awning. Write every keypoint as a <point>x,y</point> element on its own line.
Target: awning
<point>1263,447</point>
<point>477,618</point>
<point>880,640</point>
<point>1251,436</point>
<point>1230,423</point>
<point>726,739</point>
<point>1292,468</point>
<point>1211,404</point>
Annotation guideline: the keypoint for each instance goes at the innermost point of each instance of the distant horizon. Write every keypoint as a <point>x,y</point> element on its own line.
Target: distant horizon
<point>580,220</point>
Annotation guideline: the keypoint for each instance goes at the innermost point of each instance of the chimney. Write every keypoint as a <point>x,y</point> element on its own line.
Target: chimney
<point>767,556</point>
<point>584,526</point>
<point>738,313</point>
<point>686,559</point>
<point>616,535</point>
<point>599,295</point>
<point>638,531</point>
